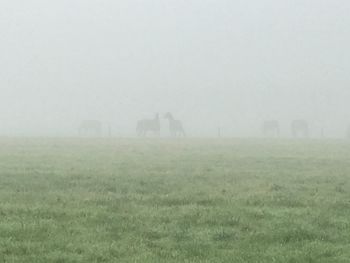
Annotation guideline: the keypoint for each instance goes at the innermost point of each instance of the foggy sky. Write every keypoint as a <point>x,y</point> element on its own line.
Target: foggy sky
<point>227,63</point>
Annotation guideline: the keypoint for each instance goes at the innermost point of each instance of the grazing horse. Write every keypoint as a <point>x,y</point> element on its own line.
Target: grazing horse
<point>271,128</point>
<point>90,128</point>
<point>175,126</point>
<point>145,126</point>
<point>300,128</point>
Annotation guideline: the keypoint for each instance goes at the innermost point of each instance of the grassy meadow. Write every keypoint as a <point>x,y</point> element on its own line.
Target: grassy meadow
<point>192,200</point>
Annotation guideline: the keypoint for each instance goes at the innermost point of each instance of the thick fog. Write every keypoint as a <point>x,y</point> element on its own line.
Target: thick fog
<point>221,63</point>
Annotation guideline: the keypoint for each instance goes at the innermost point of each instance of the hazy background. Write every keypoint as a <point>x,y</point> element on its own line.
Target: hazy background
<point>211,63</point>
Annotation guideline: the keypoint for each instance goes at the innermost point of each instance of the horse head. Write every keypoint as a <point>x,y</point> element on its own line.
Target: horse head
<point>168,116</point>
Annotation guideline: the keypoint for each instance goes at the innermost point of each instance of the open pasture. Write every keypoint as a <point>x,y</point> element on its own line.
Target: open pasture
<point>190,200</point>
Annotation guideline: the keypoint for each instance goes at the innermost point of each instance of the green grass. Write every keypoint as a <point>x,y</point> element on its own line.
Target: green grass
<point>110,200</point>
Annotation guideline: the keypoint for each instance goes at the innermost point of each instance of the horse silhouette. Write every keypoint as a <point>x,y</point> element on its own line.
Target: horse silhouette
<point>175,126</point>
<point>300,128</point>
<point>348,132</point>
<point>271,128</point>
<point>145,126</point>
<point>90,127</point>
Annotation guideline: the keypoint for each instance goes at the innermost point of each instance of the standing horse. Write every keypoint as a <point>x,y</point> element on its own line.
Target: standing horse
<point>348,132</point>
<point>300,128</point>
<point>175,126</point>
<point>271,128</point>
<point>145,126</point>
<point>90,128</point>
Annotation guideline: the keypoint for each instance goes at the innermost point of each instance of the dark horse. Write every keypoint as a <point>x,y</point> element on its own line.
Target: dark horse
<point>90,127</point>
<point>300,128</point>
<point>271,128</point>
<point>175,126</point>
<point>348,132</point>
<point>145,126</point>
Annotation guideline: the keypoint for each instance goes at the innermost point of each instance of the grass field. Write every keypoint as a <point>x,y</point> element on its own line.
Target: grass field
<point>110,200</point>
